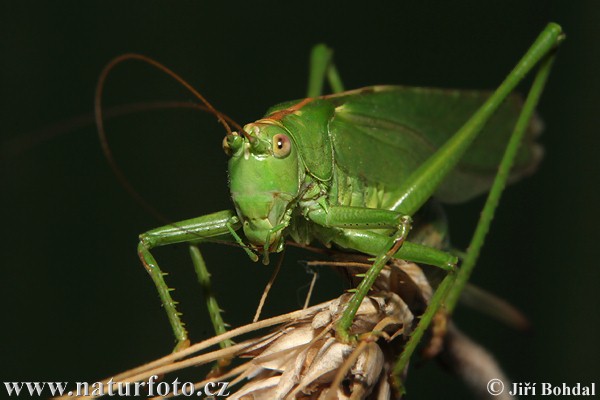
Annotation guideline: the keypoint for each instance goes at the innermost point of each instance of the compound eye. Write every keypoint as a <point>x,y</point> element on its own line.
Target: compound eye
<point>281,145</point>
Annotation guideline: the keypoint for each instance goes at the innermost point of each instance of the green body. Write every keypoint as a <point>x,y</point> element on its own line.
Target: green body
<point>351,170</point>
<point>355,149</point>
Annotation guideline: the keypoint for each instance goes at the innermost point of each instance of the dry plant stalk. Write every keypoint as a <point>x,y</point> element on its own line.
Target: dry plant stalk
<point>301,358</point>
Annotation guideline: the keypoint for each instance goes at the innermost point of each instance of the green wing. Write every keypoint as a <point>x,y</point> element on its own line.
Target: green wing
<point>383,133</point>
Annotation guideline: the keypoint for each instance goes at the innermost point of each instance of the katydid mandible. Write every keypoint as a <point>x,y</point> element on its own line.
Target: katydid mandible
<point>352,168</point>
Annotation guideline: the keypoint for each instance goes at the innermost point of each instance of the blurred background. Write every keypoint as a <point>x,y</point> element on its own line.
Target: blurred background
<point>77,303</point>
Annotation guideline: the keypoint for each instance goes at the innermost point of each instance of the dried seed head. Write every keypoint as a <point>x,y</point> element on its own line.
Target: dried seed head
<point>304,359</point>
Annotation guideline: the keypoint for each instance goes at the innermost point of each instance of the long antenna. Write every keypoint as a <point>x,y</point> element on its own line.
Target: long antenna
<point>98,114</point>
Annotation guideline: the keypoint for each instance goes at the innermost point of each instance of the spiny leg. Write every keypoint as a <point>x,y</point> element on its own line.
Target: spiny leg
<point>206,228</point>
<point>212,305</point>
<point>449,290</point>
<point>164,293</point>
<point>321,68</point>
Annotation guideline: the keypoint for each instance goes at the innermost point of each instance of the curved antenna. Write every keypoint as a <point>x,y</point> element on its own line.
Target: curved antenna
<point>133,56</point>
<point>102,133</point>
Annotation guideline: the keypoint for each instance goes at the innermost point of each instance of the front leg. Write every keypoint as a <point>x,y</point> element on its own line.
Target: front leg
<point>211,227</point>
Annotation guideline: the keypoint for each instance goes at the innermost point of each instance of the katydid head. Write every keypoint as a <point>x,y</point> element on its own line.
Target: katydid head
<point>265,179</point>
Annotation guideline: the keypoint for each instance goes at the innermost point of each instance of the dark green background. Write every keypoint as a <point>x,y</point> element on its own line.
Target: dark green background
<point>77,305</point>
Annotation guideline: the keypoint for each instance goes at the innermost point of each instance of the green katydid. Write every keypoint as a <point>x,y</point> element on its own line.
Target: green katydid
<point>352,168</point>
